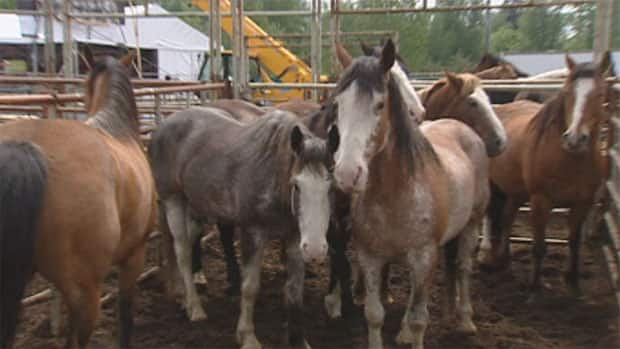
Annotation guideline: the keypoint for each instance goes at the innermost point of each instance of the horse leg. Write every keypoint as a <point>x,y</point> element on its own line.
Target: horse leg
<point>386,296</point>
<point>466,247</point>
<point>415,320</point>
<point>541,209</point>
<point>293,295</point>
<point>450,249</point>
<point>83,302</point>
<point>340,274</point>
<point>373,309</point>
<point>227,235</point>
<point>495,255</point>
<point>129,272</point>
<point>252,248</point>
<point>575,222</point>
<point>177,221</point>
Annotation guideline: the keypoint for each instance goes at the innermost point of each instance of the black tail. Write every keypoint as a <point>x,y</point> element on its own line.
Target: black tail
<point>495,210</point>
<point>23,178</point>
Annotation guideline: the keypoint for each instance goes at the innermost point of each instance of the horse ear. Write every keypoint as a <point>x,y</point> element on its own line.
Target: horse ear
<point>343,56</point>
<point>388,55</point>
<point>88,56</point>
<point>604,64</point>
<point>454,80</point>
<point>333,139</point>
<point>570,63</point>
<point>368,51</point>
<point>127,59</point>
<point>297,140</point>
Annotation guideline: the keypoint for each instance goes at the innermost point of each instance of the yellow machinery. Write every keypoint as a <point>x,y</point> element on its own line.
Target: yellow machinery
<point>269,60</point>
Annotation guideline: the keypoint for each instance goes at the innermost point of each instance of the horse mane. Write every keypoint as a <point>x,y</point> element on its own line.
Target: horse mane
<point>119,115</point>
<point>409,141</point>
<point>549,116</point>
<point>469,84</point>
<point>268,140</point>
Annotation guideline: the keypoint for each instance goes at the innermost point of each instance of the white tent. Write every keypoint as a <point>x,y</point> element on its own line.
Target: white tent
<point>180,47</point>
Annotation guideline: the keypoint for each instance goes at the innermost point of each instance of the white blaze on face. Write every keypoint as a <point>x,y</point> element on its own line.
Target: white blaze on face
<point>357,122</point>
<point>414,104</point>
<point>313,213</point>
<point>583,87</point>
<point>498,140</point>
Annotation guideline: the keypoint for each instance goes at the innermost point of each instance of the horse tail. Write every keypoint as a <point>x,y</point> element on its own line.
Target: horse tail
<point>496,209</point>
<point>23,179</point>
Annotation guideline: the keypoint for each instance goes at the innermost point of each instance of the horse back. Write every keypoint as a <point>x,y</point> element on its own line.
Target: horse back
<point>90,209</point>
<point>187,156</point>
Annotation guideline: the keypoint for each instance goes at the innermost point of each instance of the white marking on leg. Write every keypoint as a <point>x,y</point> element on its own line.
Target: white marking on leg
<point>333,302</point>
<point>175,214</point>
<point>246,336</point>
<point>373,309</point>
<point>467,245</point>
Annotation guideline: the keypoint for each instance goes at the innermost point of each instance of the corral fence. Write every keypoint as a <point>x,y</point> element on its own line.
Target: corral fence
<point>158,98</point>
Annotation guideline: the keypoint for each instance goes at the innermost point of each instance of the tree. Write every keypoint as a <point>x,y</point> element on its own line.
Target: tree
<point>507,39</point>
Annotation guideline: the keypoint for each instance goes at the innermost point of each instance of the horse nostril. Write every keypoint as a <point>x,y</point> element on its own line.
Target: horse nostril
<point>304,246</point>
<point>358,173</point>
<point>583,138</point>
<point>565,135</point>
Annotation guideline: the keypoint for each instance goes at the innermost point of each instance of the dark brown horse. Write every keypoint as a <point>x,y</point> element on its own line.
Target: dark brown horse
<point>552,159</point>
<point>77,199</point>
<point>270,178</point>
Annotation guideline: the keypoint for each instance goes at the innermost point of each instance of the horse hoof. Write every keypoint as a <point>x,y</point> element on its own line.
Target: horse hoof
<point>251,343</point>
<point>333,306</point>
<point>404,337</point>
<point>197,314</point>
<point>467,328</point>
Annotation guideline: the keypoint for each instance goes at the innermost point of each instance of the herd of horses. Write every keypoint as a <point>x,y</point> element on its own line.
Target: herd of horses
<point>404,176</point>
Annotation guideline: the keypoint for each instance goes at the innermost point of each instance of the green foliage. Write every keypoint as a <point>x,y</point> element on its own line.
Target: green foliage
<point>507,39</point>
<point>436,41</point>
<point>8,4</point>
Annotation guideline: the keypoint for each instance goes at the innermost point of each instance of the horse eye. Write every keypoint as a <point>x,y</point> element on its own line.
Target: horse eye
<point>473,103</point>
<point>379,106</point>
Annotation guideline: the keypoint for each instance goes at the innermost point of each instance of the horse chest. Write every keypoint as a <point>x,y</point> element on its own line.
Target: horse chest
<point>570,180</point>
<point>393,228</point>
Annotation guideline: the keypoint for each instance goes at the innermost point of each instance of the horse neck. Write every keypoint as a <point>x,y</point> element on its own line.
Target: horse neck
<point>118,115</point>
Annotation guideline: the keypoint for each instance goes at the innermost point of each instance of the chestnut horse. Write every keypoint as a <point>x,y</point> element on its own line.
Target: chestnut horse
<point>552,159</point>
<point>77,199</point>
<point>409,196</point>
<point>270,178</point>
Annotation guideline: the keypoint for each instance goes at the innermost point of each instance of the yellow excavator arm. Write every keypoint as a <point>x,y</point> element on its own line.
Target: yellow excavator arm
<point>270,52</point>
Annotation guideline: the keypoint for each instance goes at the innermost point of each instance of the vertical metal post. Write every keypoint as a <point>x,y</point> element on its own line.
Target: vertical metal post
<point>316,46</point>
<point>603,23</point>
<point>334,27</point>
<point>237,17</point>
<point>34,54</point>
<point>487,28</point>
<point>50,47</point>
<point>67,46</point>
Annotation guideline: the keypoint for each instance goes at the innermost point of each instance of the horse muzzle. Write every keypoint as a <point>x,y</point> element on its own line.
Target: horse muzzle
<point>313,251</point>
<point>575,142</point>
<point>351,179</point>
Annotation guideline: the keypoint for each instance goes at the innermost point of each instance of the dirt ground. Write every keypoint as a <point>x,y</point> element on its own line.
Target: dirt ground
<point>503,317</point>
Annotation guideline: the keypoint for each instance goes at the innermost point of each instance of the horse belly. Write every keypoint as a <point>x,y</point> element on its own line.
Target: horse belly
<point>461,193</point>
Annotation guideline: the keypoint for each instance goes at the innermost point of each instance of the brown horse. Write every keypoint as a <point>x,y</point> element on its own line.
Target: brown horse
<point>502,71</point>
<point>461,97</point>
<point>410,193</point>
<point>94,208</point>
<point>552,159</point>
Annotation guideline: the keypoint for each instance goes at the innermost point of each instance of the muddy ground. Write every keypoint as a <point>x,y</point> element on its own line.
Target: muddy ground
<point>503,317</point>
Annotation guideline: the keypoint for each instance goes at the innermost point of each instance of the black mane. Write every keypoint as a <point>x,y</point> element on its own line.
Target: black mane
<point>119,115</point>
